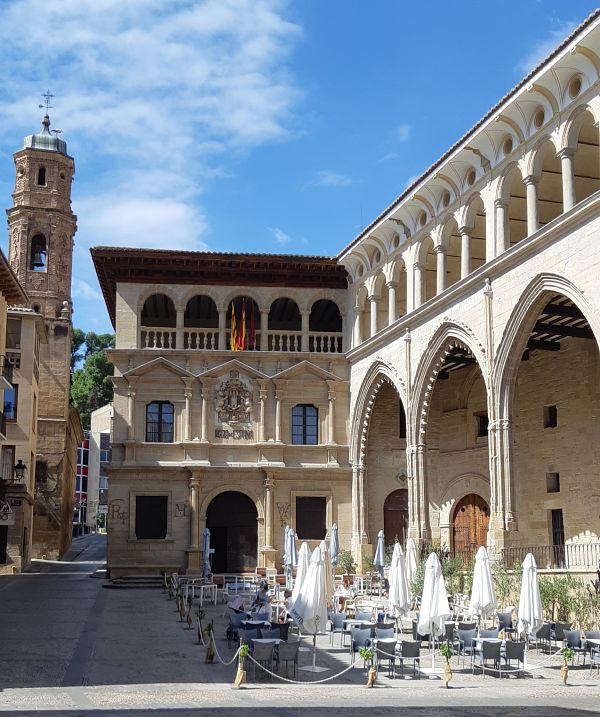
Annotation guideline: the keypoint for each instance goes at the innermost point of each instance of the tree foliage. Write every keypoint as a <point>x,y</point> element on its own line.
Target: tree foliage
<point>91,382</point>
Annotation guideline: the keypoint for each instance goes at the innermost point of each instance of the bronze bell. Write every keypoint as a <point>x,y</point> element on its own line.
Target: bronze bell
<point>38,260</point>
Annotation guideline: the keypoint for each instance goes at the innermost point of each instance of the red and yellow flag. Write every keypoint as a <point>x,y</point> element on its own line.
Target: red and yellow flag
<point>242,335</point>
<point>233,335</point>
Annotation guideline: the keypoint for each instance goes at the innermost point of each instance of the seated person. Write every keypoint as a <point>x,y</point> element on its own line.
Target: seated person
<point>287,599</point>
<point>261,607</point>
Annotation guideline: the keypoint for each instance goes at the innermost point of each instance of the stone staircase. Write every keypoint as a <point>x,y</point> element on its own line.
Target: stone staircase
<point>135,581</point>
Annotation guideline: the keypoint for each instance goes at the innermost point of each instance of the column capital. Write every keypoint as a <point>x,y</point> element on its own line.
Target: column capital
<point>391,284</point>
<point>439,249</point>
<point>465,230</point>
<point>418,265</point>
<point>531,179</point>
<point>263,395</point>
<point>373,298</point>
<point>565,152</point>
<point>269,480</point>
<point>501,203</point>
<point>331,395</point>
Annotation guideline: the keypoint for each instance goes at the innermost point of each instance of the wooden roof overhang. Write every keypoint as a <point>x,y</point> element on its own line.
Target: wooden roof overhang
<point>10,287</point>
<point>163,266</point>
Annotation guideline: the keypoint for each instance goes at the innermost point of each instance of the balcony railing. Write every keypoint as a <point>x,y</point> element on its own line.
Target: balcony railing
<point>6,371</point>
<point>271,340</point>
<point>572,555</point>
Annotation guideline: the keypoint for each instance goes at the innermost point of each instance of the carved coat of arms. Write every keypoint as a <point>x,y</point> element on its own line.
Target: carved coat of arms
<point>234,400</point>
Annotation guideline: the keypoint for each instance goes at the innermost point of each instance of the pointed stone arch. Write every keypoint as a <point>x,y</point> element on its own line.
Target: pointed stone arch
<point>449,334</point>
<point>379,373</point>
<point>519,326</point>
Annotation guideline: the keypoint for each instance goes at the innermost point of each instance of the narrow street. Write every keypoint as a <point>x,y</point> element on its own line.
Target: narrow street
<point>48,617</point>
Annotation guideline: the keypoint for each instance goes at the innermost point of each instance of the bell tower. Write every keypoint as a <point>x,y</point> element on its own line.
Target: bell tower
<point>41,228</point>
<point>41,223</point>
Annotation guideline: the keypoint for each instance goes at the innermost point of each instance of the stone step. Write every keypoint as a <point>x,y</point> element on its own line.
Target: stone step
<point>135,581</point>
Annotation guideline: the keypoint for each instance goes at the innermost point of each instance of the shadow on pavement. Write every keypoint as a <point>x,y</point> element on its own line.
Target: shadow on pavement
<point>316,711</point>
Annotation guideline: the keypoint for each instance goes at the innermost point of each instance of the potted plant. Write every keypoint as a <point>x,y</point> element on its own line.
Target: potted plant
<point>200,614</point>
<point>367,655</point>
<point>446,651</point>
<point>567,653</point>
<point>210,648</point>
<point>240,677</point>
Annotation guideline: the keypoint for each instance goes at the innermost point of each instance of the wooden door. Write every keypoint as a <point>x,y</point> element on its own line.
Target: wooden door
<point>471,520</point>
<point>395,517</point>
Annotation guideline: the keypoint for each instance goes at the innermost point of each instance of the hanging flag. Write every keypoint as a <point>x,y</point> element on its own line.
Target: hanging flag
<point>251,336</point>
<point>233,334</point>
<point>242,334</point>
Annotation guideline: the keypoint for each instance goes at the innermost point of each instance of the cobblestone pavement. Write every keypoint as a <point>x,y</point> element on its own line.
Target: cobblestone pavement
<point>70,647</point>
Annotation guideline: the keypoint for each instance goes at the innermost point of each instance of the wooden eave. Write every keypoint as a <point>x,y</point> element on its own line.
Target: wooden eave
<point>10,287</point>
<point>162,266</point>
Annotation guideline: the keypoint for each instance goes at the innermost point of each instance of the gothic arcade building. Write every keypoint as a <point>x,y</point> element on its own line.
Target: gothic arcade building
<point>439,379</point>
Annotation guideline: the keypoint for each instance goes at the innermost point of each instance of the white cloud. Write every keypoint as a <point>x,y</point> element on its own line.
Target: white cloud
<point>329,178</point>
<point>156,100</point>
<point>403,132</point>
<point>115,220</point>
<point>280,236</point>
<point>543,48</point>
<point>388,157</point>
<point>411,180</point>
<point>83,290</point>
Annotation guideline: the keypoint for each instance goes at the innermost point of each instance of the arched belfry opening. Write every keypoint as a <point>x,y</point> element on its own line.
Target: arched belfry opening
<point>38,255</point>
<point>231,518</point>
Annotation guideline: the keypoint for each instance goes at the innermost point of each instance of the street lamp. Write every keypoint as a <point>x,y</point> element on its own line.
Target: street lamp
<point>20,469</point>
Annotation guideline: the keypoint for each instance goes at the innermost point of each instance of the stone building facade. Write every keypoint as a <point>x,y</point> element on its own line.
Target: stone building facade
<point>459,400</point>
<point>41,227</point>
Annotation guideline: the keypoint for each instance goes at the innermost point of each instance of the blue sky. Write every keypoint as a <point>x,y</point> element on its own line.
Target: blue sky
<point>253,125</point>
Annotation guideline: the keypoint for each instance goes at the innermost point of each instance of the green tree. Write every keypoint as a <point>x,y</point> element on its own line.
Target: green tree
<point>91,383</point>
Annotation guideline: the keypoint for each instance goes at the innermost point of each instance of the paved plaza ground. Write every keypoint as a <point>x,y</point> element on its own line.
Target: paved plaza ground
<point>70,647</point>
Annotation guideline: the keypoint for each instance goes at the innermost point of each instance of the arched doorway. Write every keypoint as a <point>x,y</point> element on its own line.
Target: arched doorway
<point>471,519</point>
<point>231,519</point>
<point>395,516</point>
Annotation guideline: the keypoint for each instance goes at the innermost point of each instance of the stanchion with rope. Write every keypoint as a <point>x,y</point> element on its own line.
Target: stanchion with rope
<point>240,676</point>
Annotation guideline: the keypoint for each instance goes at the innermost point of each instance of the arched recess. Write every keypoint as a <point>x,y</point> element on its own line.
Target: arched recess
<point>586,162</point>
<point>515,196</point>
<point>547,167</point>
<point>396,516</point>
<point>362,318</point>
<point>201,322</point>
<point>548,402</point>
<point>231,517</point>
<point>285,326</point>
<point>426,284</point>
<point>470,523</point>
<point>451,241</point>
<point>158,320</point>
<point>399,278</point>
<point>326,327</point>
<point>475,223</point>
<point>380,291</point>
<point>379,446</point>
<point>243,314</point>
<point>449,418</point>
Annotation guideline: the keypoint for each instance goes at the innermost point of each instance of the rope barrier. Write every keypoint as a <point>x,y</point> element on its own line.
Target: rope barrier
<point>299,682</point>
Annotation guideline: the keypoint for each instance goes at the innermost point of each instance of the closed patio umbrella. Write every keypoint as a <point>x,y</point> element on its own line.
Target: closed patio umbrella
<point>206,570</point>
<point>530,613</point>
<point>434,602</point>
<point>399,593</point>
<point>301,571</point>
<point>483,596</point>
<point>329,587</point>
<point>334,544</point>
<point>411,561</point>
<point>309,610</point>
<point>379,559</point>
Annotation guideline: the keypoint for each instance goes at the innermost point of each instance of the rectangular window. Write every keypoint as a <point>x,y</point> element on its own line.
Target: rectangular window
<point>550,417</point>
<point>159,422</point>
<point>311,517</point>
<point>151,517</point>
<point>552,483</point>
<point>305,425</point>
<point>11,399</point>
<point>482,424</point>
<point>7,463</point>
<point>105,456</point>
<point>402,432</point>
<point>13,333</point>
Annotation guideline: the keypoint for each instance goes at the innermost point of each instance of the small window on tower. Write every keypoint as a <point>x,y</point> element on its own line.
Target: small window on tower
<point>39,253</point>
<point>41,176</point>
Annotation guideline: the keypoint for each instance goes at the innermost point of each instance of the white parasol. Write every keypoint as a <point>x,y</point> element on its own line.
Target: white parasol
<point>483,596</point>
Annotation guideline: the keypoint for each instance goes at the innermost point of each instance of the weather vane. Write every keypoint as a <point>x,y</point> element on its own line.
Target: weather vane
<point>47,96</point>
